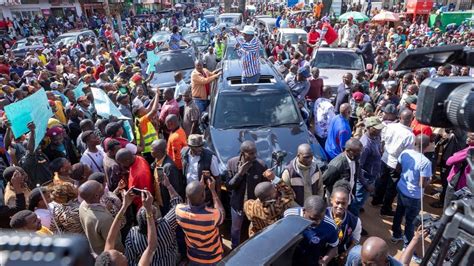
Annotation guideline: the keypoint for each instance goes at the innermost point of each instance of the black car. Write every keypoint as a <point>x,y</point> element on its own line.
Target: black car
<point>274,245</point>
<point>170,62</point>
<point>265,113</point>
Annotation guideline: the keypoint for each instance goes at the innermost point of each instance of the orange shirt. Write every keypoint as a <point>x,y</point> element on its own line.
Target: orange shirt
<point>176,141</point>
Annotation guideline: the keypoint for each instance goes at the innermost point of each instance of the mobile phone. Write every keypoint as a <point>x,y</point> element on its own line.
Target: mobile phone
<point>206,174</point>
<point>138,191</point>
<point>159,171</point>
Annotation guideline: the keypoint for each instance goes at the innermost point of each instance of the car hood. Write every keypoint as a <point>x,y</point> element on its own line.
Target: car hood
<point>333,77</point>
<point>166,79</point>
<point>226,142</point>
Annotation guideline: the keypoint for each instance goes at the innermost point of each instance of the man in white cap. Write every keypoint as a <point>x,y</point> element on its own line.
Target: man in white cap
<point>248,49</point>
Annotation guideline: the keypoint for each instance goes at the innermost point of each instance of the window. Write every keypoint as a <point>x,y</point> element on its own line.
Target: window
<point>338,59</point>
<point>255,109</point>
<point>174,62</point>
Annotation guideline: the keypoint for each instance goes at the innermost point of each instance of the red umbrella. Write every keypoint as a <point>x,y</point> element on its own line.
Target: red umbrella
<point>386,16</point>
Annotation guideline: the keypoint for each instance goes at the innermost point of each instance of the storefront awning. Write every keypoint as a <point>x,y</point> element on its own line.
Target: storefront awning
<point>419,7</point>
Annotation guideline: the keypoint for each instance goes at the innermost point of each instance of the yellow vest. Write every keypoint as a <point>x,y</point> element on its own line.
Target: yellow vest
<point>148,137</point>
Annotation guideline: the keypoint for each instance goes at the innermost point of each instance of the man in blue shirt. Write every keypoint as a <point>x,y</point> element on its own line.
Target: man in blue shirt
<point>339,132</point>
<point>415,176</point>
<point>319,245</point>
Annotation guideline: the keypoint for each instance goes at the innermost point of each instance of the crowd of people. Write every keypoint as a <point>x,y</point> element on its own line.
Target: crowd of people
<point>154,196</point>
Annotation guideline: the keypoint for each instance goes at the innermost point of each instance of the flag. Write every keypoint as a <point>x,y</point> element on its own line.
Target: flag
<point>329,34</point>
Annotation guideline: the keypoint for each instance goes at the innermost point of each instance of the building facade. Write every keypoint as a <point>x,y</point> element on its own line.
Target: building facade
<point>22,9</point>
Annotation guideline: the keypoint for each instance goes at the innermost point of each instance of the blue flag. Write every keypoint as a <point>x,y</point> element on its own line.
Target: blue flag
<point>78,92</point>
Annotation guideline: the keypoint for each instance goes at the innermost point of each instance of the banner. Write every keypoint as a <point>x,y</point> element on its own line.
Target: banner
<point>78,92</point>
<point>106,108</point>
<point>152,59</point>
<point>34,108</point>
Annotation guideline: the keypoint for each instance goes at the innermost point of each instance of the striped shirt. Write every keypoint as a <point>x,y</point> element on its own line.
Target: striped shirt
<point>263,214</point>
<point>165,254</point>
<point>201,228</point>
<point>249,52</point>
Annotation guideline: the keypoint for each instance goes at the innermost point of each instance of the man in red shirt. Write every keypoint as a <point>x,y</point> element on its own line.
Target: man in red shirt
<point>139,172</point>
<point>100,68</point>
<point>313,37</point>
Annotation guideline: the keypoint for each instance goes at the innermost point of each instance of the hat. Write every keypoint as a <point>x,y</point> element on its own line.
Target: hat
<point>136,69</point>
<point>195,140</point>
<point>304,71</point>
<point>350,18</point>
<point>112,128</point>
<point>86,134</point>
<point>358,96</point>
<point>54,85</point>
<point>27,72</point>
<point>374,122</point>
<point>136,78</point>
<point>54,131</point>
<point>249,30</point>
<point>390,109</point>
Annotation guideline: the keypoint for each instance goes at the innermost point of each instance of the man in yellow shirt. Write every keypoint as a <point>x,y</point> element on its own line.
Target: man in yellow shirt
<point>27,220</point>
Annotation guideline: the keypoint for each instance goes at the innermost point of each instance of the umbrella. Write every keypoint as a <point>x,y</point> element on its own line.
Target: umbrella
<point>386,16</point>
<point>357,16</point>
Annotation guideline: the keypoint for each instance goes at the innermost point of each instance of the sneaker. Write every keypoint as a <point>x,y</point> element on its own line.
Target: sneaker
<point>387,213</point>
<point>395,240</point>
<point>416,259</point>
<point>364,232</point>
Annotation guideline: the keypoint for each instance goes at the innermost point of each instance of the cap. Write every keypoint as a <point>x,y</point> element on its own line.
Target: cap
<point>374,122</point>
<point>249,30</point>
<point>358,96</point>
<point>54,131</point>
<point>350,18</point>
<point>54,85</point>
<point>390,109</point>
<point>195,140</point>
<point>304,71</point>
<point>136,69</point>
<point>136,78</point>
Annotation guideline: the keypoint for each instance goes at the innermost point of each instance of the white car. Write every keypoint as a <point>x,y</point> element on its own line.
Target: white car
<point>231,20</point>
<point>289,34</point>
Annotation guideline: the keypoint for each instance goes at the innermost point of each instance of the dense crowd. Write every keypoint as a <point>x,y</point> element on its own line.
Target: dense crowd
<point>152,194</point>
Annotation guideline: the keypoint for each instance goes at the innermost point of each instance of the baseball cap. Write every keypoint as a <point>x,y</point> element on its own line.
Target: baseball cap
<point>304,72</point>
<point>374,122</point>
<point>358,96</point>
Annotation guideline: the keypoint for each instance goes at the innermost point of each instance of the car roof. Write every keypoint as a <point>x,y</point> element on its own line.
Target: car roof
<point>232,74</point>
<point>324,49</point>
<point>230,15</point>
<point>75,32</point>
<point>290,30</point>
<point>267,19</point>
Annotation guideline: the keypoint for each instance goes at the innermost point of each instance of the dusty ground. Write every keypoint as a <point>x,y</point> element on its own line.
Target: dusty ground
<point>374,224</point>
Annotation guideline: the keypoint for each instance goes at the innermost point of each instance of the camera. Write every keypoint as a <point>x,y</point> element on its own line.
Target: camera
<point>279,156</point>
<point>445,101</point>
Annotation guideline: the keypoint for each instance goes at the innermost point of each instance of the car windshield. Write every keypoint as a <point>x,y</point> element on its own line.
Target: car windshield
<point>255,109</point>
<point>338,59</point>
<point>231,53</point>
<point>229,20</point>
<point>210,19</point>
<point>161,37</point>
<point>174,62</point>
<point>67,39</point>
<point>293,37</point>
<point>199,39</point>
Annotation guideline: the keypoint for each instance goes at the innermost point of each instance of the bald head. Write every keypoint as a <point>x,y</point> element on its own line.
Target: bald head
<point>125,157</point>
<point>91,191</point>
<point>264,191</point>
<point>353,143</point>
<point>304,148</point>
<point>247,145</point>
<point>195,193</point>
<point>345,110</point>
<point>406,117</point>
<point>158,149</point>
<point>172,122</point>
<point>375,251</point>
<point>248,150</point>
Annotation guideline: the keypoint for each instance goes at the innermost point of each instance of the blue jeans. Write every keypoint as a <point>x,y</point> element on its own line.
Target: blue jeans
<point>252,79</point>
<point>236,228</point>
<point>201,104</point>
<point>409,208</point>
<point>361,195</point>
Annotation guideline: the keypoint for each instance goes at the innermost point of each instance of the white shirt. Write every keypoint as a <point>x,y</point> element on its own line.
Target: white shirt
<point>94,160</point>
<point>180,89</point>
<point>323,114</point>
<point>397,138</point>
<point>192,173</point>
